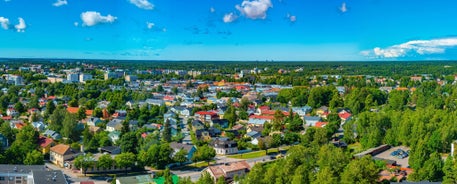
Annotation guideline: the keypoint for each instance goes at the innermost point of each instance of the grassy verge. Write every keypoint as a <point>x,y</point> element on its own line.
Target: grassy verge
<point>257,154</point>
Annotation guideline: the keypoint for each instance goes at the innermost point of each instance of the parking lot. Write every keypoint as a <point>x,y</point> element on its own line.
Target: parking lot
<point>403,162</point>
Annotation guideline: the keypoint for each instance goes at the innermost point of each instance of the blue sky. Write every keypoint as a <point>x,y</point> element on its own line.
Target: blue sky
<point>292,30</point>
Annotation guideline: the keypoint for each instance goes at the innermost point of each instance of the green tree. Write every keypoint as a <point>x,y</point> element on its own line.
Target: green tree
<point>70,127</point>
<point>105,161</point>
<point>129,142</point>
<point>221,180</point>
<point>166,132</point>
<point>359,171</point>
<point>7,131</point>
<point>50,107</point>
<point>180,156</point>
<point>205,178</point>
<point>19,107</point>
<point>81,114</point>
<point>84,162</point>
<point>56,119</point>
<point>97,112</point>
<point>125,160</point>
<point>204,153</point>
<point>167,175</point>
<point>432,169</point>
<point>34,158</point>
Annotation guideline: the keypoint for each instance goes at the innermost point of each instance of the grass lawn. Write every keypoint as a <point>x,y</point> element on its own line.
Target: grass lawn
<point>192,166</point>
<point>254,154</point>
<point>257,154</point>
<point>355,147</point>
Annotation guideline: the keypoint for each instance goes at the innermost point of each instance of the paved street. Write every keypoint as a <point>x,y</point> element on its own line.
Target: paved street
<point>195,174</point>
<point>76,177</point>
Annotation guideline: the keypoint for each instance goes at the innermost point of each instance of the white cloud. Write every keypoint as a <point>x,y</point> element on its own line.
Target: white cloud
<point>20,27</point>
<point>212,10</point>
<point>229,17</point>
<point>421,47</point>
<point>76,24</point>
<point>255,9</point>
<point>60,3</point>
<point>92,18</point>
<point>143,4</point>
<point>343,8</point>
<point>150,25</point>
<point>4,23</point>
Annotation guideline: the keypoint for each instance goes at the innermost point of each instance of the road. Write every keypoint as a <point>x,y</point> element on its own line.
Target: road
<point>76,177</point>
<point>195,174</point>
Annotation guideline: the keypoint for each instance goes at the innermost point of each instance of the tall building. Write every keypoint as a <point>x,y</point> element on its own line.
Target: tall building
<point>14,79</point>
<point>85,77</point>
<point>72,77</point>
<point>113,75</point>
<point>130,78</point>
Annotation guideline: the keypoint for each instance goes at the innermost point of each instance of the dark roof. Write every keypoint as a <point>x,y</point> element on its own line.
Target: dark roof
<point>20,168</point>
<point>220,121</point>
<point>197,124</point>
<point>109,149</point>
<point>48,177</point>
<point>179,146</point>
<point>223,143</point>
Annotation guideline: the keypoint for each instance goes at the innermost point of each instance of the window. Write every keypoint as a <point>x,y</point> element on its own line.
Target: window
<point>2,178</point>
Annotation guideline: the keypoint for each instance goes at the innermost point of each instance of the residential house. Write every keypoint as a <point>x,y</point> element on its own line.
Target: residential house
<point>262,109</point>
<point>321,124</point>
<point>341,90</point>
<point>39,126</point>
<point>62,153</point>
<point>114,136</point>
<point>133,125</point>
<point>257,128</point>
<point>178,146</point>
<point>183,111</point>
<point>253,134</point>
<point>259,119</point>
<point>45,144</point>
<point>344,116</point>
<point>224,146</point>
<point>206,116</point>
<point>311,120</point>
<point>17,124</point>
<point>156,102</point>
<point>197,125</point>
<point>187,139</point>
<point>93,121</point>
<point>322,110</point>
<point>120,114</point>
<point>12,112</point>
<point>228,171</point>
<point>53,134</point>
<point>112,150</point>
<point>114,125</point>
<point>223,123</point>
<point>302,111</point>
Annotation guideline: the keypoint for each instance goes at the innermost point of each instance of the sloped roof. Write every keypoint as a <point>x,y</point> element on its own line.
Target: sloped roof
<point>44,141</point>
<point>62,149</point>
